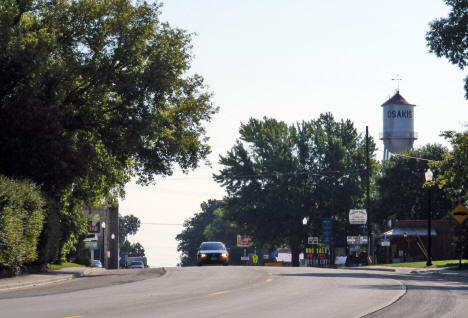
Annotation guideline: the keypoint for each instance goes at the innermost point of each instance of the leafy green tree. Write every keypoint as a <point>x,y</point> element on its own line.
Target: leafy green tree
<point>401,189</point>
<point>452,179</point>
<point>208,225</point>
<point>91,94</point>
<point>221,229</point>
<point>21,220</point>
<point>133,249</point>
<point>129,225</point>
<point>453,168</point>
<point>276,175</point>
<point>448,37</point>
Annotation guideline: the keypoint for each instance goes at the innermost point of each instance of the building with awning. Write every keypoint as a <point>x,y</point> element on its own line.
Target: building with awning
<point>406,240</point>
<point>413,231</point>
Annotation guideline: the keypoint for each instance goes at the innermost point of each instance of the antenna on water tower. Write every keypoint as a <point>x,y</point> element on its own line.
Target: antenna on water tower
<point>398,79</point>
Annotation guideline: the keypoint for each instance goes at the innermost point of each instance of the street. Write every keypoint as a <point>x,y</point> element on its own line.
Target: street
<point>233,291</point>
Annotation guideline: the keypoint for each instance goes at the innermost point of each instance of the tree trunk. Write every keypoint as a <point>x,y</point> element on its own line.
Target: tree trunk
<point>295,250</point>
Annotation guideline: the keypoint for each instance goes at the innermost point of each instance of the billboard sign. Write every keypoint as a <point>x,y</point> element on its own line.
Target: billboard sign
<point>326,231</point>
<point>358,216</point>
<point>244,241</point>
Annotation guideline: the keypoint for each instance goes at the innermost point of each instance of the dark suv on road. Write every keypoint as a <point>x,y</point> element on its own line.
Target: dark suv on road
<point>212,253</point>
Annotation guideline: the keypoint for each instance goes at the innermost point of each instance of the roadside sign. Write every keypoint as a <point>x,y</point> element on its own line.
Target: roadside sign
<point>244,258</point>
<point>244,241</point>
<point>356,240</point>
<point>312,240</point>
<point>358,216</point>
<point>460,213</point>
<point>326,231</point>
<point>91,244</point>
<point>385,241</point>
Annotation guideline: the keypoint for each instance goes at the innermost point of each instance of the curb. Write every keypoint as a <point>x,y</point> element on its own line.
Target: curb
<point>379,269</point>
<point>38,283</point>
<point>41,280</point>
<point>393,301</point>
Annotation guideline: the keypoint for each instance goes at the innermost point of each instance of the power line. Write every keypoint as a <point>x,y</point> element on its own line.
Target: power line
<point>162,224</point>
<point>417,158</point>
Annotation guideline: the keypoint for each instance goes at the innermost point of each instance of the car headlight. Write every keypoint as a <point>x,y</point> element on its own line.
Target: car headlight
<point>224,254</point>
<point>202,255</point>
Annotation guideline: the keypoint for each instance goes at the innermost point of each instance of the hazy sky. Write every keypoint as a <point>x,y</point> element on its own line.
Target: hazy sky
<point>293,60</point>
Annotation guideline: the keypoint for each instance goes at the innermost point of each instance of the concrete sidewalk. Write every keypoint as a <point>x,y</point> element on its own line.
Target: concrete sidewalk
<point>446,272</point>
<point>32,280</point>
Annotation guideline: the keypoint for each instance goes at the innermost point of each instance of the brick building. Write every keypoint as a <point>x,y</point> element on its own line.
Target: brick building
<point>103,239</point>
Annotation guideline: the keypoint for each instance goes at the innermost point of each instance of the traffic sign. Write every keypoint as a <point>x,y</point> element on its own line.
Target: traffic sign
<point>460,213</point>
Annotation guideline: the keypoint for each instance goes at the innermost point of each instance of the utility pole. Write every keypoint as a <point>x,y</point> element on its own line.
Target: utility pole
<point>369,230</point>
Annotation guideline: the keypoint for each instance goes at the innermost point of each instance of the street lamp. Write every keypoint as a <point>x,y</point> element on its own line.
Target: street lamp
<point>428,176</point>
<point>405,235</point>
<point>103,225</point>
<point>304,222</point>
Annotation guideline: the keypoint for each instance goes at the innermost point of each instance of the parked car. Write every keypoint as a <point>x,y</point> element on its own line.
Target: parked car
<point>212,253</point>
<point>97,263</point>
<point>137,264</point>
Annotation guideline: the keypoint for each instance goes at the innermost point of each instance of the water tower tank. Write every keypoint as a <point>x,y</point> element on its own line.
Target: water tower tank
<point>398,125</point>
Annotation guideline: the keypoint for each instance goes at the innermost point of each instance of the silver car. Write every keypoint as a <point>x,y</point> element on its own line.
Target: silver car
<point>212,253</point>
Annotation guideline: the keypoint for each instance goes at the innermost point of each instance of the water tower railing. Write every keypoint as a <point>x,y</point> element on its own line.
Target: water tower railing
<point>399,135</point>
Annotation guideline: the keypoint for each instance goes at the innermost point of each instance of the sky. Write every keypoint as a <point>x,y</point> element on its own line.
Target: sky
<point>293,60</point>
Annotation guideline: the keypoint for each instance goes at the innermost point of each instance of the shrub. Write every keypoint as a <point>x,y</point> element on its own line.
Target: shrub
<point>21,221</point>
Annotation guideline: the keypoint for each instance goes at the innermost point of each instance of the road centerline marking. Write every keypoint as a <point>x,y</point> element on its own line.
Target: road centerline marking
<point>219,292</point>
<point>269,280</point>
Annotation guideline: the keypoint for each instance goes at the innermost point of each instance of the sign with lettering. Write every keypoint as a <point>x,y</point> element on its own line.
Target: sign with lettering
<point>312,240</point>
<point>358,216</point>
<point>460,213</point>
<point>326,230</point>
<point>244,241</point>
<point>385,241</point>
<point>395,114</point>
<point>356,240</point>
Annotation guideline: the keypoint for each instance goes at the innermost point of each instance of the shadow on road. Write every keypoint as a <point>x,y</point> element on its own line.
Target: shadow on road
<point>460,284</point>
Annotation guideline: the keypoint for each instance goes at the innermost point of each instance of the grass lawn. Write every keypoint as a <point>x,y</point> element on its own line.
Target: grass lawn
<point>445,263</point>
<point>63,265</point>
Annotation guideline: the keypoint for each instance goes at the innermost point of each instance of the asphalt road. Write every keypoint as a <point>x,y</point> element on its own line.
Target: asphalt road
<point>243,292</point>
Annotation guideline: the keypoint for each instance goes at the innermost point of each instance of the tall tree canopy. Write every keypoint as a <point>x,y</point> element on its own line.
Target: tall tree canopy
<point>453,168</point>
<point>277,174</point>
<point>448,37</point>
<point>401,189</point>
<point>129,225</point>
<point>93,92</point>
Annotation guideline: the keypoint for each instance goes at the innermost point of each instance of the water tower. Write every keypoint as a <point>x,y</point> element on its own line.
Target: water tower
<point>398,125</point>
